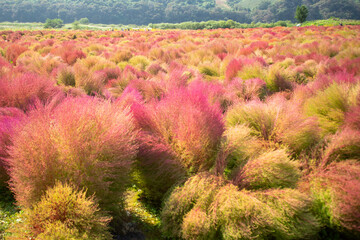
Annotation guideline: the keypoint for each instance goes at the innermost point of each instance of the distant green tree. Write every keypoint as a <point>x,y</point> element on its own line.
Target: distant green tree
<point>84,21</point>
<point>54,23</point>
<point>76,25</point>
<point>301,13</point>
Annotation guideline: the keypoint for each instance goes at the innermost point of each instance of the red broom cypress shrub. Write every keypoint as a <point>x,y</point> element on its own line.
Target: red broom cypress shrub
<point>85,141</point>
<point>70,54</point>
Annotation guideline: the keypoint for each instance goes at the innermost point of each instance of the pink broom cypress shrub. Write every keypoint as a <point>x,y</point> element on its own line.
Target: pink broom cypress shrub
<point>352,66</point>
<point>213,91</point>
<point>9,118</point>
<point>4,63</point>
<point>22,90</point>
<point>336,193</point>
<point>130,73</point>
<point>343,145</point>
<point>352,117</point>
<point>191,126</point>
<point>85,141</point>
<point>323,81</point>
<point>232,69</point>
<point>178,76</point>
<point>150,89</point>
<point>180,134</point>
<point>156,167</point>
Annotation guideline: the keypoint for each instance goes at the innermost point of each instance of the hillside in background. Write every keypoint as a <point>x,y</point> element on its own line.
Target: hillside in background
<point>173,11</point>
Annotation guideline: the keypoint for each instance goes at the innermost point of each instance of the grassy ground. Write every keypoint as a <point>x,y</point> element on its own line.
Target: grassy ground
<point>39,26</point>
<point>8,210</point>
<point>331,22</point>
<point>91,26</point>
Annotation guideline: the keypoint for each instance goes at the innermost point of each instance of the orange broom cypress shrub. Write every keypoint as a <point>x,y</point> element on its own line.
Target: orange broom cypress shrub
<point>13,51</point>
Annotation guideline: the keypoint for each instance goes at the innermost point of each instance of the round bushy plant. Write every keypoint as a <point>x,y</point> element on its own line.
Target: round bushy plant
<point>336,193</point>
<point>197,193</point>
<point>277,120</point>
<point>343,145</point>
<point>330,106</point>
<point>62,213</point>
<point>241,146</point>
<point>291,212</point>
<point>238,215</point>
<point>180,135</point>
<point>272,169</point>
<point>9,118</point>
<point>197,224</point>
<point>85,141</point>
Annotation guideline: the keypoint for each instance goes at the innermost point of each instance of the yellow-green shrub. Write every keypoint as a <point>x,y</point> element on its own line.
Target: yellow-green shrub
<point>62,213</point>
<point>197,193</point>
<point>291,212</point>
<point>239,215</point>
<point>272,169</point>
<point>329,106</point>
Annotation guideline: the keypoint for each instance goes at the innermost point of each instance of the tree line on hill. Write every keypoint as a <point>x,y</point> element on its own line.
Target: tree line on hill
<point>143,12</point>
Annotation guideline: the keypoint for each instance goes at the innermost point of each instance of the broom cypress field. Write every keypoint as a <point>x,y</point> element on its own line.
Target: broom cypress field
<point>180,134</point>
